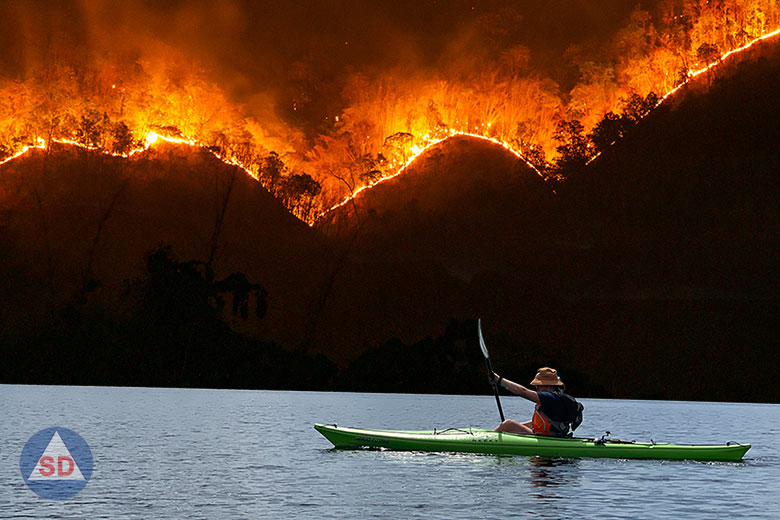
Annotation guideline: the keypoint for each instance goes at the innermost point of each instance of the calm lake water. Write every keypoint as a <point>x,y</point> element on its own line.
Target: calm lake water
<point>177,453</point>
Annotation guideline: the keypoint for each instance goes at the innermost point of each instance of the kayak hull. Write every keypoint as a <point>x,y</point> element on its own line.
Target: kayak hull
<point>475,440</point>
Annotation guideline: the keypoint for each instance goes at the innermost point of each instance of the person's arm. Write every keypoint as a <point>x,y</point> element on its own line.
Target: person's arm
<point>517,389</point>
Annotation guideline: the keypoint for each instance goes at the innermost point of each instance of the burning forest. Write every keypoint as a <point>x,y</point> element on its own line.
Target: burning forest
<point>358,174</point>
<point>324,136</point>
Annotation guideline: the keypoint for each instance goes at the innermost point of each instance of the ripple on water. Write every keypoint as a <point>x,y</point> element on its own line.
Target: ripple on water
<point>173,453</point>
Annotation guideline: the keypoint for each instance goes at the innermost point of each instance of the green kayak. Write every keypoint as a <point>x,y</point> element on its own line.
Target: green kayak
<point>474,440</point>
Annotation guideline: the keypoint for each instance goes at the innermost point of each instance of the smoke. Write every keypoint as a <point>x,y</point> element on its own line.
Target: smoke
<point>261,51</point>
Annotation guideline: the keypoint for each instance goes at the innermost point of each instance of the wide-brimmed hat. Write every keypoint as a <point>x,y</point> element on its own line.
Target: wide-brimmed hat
<point>547,377</point>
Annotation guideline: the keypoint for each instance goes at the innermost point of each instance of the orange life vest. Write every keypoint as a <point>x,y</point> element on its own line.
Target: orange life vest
<point>540,422</point>
<point>543,425</point>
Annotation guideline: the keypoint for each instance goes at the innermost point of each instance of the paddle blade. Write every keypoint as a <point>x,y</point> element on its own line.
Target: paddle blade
<point>482,340</point>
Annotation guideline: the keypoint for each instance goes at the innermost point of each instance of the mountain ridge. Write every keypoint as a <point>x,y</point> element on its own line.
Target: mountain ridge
<point>656,262</point>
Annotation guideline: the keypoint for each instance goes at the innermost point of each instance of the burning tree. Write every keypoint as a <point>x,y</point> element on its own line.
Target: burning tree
<point>374,123</point>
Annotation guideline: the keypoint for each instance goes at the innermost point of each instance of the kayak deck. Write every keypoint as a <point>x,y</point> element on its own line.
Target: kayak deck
<point>477,440</point>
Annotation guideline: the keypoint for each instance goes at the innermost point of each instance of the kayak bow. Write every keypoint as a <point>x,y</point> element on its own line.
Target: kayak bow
<point>476,440</point>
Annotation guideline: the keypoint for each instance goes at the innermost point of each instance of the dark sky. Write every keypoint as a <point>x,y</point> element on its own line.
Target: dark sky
<point>248,46</point>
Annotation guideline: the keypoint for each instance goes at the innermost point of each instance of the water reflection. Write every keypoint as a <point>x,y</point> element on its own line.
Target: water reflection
<point>547,473</point>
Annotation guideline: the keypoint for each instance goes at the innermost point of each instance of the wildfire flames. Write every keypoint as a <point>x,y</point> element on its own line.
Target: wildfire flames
<point>122,107</point>
<point>416,151</point>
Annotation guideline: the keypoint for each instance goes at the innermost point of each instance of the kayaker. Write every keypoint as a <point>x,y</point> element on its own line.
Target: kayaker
<point>556,413</point>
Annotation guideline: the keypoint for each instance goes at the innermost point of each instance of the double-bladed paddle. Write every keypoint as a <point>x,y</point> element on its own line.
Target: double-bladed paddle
<point>490,369</point>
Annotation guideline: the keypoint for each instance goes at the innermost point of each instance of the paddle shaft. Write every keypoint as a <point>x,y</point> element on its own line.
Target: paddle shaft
<point>495,389</point>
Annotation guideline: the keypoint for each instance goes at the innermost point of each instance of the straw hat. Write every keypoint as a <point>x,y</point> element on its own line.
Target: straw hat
<point>547,377</point>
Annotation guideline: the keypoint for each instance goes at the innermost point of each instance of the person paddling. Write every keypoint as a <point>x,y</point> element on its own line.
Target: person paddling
<point>557,414</point>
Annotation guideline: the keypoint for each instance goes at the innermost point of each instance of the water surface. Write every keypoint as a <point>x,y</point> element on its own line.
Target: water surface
<point>181,453</point>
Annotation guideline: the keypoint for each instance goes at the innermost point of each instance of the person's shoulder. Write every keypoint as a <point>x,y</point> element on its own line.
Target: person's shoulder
<point>551,396</point>
<point>556,398</point>
<point>554,395</point>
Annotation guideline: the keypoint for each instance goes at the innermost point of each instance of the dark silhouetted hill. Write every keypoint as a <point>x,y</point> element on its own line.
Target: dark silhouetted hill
<point>73,217</point>
<point>652,274</point>
<point>688,205</point>
<point>466,215</point>
<point>657,263</point>
<point>466,203</point>
<point>682,218</point>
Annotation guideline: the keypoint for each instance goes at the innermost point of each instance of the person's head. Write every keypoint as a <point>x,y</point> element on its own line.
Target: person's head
<point>547,380</point>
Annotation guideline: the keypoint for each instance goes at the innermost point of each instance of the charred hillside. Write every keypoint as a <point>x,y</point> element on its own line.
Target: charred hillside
<point>78,224</point>
<point>466,222</point>
<point>655,262</point>
<point>681,219</point>
<point>689,203</point>
<point>466,203</point>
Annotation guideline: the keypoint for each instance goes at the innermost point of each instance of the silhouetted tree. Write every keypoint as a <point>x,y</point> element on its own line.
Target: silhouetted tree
<point>708,53</point>
<point>185,290</point>
<point>574,147</point>
<point>638,107</point>
<point>272,169</point>
<point>123,138</point>
<point>397,146</point>
<point>370,166</point>
<point>240,288</point>
<point>435,120</point>
<point>450,363</point>
<point>90,129</point>
<point>299,192</point>
<point>607,131</point>
<point>613,127</point>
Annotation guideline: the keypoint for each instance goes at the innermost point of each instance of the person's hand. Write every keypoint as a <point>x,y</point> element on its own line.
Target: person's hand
<point>494,378</point>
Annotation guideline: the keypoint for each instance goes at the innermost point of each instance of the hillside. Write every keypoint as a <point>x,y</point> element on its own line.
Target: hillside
<point>466,215</point>
<point>71,216</point>
<point>683,218</point>
<point>466,203</point>
<point>689,203</point>
<point>656,262</point>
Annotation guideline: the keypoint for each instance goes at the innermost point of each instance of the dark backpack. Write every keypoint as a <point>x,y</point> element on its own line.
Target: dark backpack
<point>578,417</point>
<point>573,411</point>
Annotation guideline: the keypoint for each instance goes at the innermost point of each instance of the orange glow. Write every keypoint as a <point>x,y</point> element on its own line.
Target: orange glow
<point>693,74</point>
<point>151,138</point>
<point>427,141</point>
<point>41,144</point>
<point>419,150</point>
<point>386,124</point>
